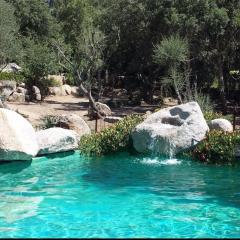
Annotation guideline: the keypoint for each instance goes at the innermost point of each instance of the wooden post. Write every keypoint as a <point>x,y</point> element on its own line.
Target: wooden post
<point>96,124</point>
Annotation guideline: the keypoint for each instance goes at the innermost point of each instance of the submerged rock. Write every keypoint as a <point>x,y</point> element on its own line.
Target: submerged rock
<point>17,139</point>
<point>221,125</point>
<point>171,130</point>
<point>55,140</point>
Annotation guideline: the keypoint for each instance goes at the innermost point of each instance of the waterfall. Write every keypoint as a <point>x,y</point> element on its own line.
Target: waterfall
<point>158,146</point>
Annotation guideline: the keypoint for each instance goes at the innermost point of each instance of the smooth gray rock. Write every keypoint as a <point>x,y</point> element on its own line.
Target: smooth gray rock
<point>74,122</point>
<point>22,90</point>
<point>221,125</point>
<point>36,90</point>
<point>55,140</point>
<point>57,91</point>
<point>67,89</point>
<point>171,130</point>
<point>17,139</point>
<point>7,87</point>
<point>17,97</point>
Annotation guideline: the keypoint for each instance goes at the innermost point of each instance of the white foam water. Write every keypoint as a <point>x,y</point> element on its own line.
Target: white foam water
<point>158,161</point>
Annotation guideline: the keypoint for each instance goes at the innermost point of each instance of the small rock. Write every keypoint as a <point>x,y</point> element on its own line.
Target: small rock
<point>22,90</point>
<point>22,84</point>
<point>68,89</point>
<point>36,90</point>
<point>104,110</point>
<point>7,88</point>
<point>57,91</point>
<point>221,125</point>
<point>111,119</point>
<point>17,97</point>
<point>38,97</point>
<point>76,91</point>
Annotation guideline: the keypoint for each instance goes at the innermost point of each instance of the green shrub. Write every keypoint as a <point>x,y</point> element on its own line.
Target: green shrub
<point>18,77</point>
<point>211,115</point>
<point>70,80</point>
<point>51,82</point>
<point>49,121</point>
<point>112,139</point>
<point>218,147</point>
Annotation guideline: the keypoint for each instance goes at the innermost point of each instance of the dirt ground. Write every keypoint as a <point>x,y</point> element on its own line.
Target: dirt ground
<point>54,105</point>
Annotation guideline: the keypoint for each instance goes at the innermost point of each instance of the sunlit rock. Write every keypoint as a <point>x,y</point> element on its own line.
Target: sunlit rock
<point>171,130</point>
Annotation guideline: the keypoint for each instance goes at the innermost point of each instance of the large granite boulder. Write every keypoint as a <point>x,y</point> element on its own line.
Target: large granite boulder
<point>74,122</point>
<point>55,140</point>
<point>221,125</point>
<point>17,139</point>
<point>171,130</point>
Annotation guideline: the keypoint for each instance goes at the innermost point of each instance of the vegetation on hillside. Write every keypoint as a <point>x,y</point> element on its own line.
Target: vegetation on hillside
<point>177,48</point>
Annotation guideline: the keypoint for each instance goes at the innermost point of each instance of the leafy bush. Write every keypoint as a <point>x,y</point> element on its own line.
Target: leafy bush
<point>112,139</point>
<point>18,77</point>
<point>51,82</point>
<point>211,115</point>
<point>218,147</point>
<point>49,121</point>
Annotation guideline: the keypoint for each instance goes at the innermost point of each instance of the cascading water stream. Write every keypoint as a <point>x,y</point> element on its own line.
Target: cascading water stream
<point>157,147</point>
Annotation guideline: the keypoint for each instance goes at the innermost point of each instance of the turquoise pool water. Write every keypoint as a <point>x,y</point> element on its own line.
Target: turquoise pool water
<point>120,196</point>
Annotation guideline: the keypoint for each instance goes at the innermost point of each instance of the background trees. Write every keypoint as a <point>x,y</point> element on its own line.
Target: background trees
<point>9,42</point>
<point>124,37</point>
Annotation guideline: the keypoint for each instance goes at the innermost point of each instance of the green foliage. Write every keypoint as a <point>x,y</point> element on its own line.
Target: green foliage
<point>18,77</point>
<point>9,43</point>
<point>40,61</point>
<point>202,99</point>
<point>35,19</point>
<point>112,139</point>
<point>49,121</point>
<point>218,147</point>
<point>171,51</point>
<point>51,82</point>
<point>211,115</point>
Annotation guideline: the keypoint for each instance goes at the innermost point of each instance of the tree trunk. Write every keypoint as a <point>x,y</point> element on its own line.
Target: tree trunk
<point>221,85</point>
<point>88,94</point>
<point>178,93</point>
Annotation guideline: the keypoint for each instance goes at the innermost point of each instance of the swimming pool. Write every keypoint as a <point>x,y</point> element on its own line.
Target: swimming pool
<point>121,196</point>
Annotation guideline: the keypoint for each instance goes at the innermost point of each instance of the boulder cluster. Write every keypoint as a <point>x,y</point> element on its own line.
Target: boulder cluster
<point>175,129</point>
<point>18,92</point>
<point>20,141</point>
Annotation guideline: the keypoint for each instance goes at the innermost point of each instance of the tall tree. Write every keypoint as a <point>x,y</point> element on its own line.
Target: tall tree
<point>9,42</point>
